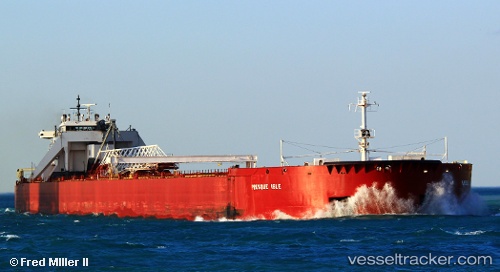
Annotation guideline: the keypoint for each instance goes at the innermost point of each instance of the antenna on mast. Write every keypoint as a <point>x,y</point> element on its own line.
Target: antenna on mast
<point>78,107</point>
<point>108,117</point>
<point>364,133</point>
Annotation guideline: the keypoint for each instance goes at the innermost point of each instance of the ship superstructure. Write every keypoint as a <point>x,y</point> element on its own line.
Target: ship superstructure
<point>83,143</point>
<point>77,141</point>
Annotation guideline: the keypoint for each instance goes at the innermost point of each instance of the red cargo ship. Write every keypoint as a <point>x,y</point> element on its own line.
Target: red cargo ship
<point>93,168</point>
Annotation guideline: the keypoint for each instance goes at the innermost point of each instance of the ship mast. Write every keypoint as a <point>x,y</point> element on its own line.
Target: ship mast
<point>364,133</point>
<point>78,119</point>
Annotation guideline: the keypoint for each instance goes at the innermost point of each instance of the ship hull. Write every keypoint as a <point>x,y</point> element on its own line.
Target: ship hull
<point>242,193</point>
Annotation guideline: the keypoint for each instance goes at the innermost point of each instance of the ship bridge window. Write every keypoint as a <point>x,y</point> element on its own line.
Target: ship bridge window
<point>80,128</point>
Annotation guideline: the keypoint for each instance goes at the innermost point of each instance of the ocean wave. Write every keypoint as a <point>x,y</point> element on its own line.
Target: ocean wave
<point>366,201</point>
<point>349,241</point>
<point>457,232</point>
<point>224,219</point>
<point>440,199</point>
<point>10,236</point>
<point>198,219</point>
<point>279,215</point>
<point>135,245</point>
<point>371,200</point>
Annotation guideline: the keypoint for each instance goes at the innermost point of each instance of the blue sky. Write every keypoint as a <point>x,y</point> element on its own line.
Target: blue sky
<point>234,77</point>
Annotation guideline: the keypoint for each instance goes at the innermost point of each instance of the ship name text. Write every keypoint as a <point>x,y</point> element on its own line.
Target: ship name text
<point>266,186</point>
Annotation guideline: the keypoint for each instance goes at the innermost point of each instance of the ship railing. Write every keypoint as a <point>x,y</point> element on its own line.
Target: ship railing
<point>167,174</point>
<point>200,173</point>
<point>419,152</point>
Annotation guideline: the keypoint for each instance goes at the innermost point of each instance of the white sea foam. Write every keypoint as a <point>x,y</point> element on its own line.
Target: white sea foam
<point>250,218</point>
<point>134,244</point>
<point>477,232</point>
<point>279,215</point>
<point>349,241</point>
<point>224,219</point>
<point>467,233</point>
<point>440,199</point>
<point>198,218</point>
<point>366,200</point>
<point>369,200</point>
<point>10,237</point>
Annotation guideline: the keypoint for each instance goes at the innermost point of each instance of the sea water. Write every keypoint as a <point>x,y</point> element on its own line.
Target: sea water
<point>443,234</point>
